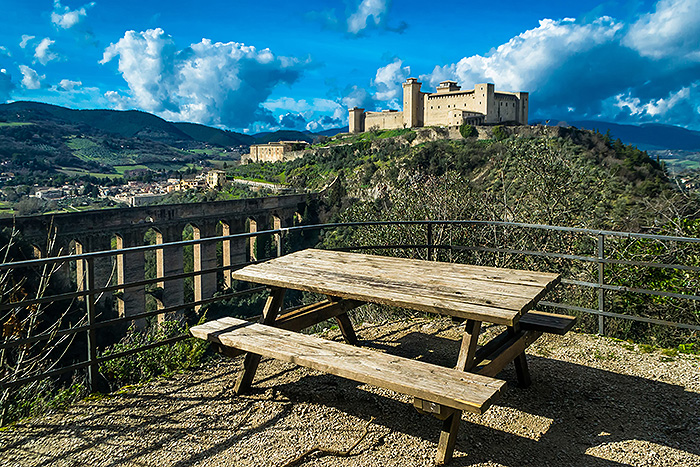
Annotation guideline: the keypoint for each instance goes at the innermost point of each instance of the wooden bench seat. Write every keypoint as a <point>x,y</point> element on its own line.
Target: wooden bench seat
<point>424,381</point>
<point>547,322</point>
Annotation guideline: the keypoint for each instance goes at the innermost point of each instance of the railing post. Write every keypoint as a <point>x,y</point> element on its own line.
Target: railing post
<point>278,239</point>
<point>89,284</point>
<point>430,242</point>
<point>601,282</point>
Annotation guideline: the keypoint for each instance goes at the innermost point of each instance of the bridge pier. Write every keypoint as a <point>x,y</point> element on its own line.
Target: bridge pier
<point>169,262</point>
<point>204,258</point>
<point>131,268</point>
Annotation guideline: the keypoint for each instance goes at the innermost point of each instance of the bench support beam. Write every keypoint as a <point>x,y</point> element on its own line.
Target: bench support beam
<point>448,438</point>
<point>250,365</point>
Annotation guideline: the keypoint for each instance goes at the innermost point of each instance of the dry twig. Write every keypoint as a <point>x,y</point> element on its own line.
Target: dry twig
<point>329,452</point>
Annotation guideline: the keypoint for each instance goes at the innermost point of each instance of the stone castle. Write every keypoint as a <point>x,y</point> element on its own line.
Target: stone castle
<point>449,106</point>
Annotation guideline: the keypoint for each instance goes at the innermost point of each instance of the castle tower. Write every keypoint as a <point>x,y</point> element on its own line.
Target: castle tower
<point>356,121</point>
<point>412,103</point>
<point>486,101</point>
<point>522,107</point>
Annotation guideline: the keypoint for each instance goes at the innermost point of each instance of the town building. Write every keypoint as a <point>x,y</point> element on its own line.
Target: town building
<point>275,152</point>
<point>448,106</point>
<point>216,178</point>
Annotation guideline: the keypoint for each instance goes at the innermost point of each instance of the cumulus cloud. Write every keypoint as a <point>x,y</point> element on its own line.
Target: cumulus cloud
<point>65,18</point>
<point>672,29</point>
<point>599,68</point>
<point>292,121</point>
<point>30,78</point>
<point>26,38</point>
<point>42,53</point>
<point>367,14</point>
<point>356,96</point>
<point>212,83</point>
<point>6,85</point>
<point>315,115</point>
<point>374,8</point>
<point>4,51</point>
<point>69,85</point>
<point>388,82</point>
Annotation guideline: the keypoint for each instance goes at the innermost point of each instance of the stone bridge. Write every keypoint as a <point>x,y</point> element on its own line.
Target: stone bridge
<point>114,229</point>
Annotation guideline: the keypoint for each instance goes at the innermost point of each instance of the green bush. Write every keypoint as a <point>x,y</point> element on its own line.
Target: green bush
<point>468,131</point>
<point>499,133</point>
<point>151,363</point>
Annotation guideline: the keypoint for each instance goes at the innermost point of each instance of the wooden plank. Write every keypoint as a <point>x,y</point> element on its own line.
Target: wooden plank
<point>412,297</point>
<point>448,438</point>
<point>449,277</point>
<point>452,270</point>
<point>509,352</point>
<point>252,360</point>
<point>307,316</point>
<point>465,361</point>
<point>547,322</point>
<point>445,288</point>
<point>445,386</point>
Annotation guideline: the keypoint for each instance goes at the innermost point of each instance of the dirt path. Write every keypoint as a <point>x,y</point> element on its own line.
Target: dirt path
<point>593,402</point>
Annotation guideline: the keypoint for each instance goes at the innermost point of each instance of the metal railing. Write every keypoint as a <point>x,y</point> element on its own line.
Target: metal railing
<point>591,258</point>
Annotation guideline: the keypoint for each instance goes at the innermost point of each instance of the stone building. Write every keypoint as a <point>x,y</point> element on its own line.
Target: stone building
<point>274,152</point>
<point>448,106</point>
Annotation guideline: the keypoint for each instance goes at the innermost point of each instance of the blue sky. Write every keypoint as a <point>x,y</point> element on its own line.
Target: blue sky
<point>266,65</point>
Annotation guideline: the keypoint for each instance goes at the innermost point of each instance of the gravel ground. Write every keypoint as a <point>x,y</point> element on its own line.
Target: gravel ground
<point>593,402</point>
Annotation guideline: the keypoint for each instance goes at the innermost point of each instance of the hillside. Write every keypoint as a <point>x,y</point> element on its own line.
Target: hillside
<point>648,136</point>
<point>549,175</point>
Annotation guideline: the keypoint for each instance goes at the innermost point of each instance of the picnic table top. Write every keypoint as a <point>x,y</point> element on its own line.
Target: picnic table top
<point>481,293</point>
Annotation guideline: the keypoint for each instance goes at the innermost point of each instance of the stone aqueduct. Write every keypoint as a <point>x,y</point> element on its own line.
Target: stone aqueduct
<point>93,231</point>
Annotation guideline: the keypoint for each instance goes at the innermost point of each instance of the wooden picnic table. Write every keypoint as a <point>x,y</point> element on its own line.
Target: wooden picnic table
<point>474,294</point>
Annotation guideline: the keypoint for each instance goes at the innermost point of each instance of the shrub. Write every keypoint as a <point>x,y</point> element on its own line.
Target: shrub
<point>468,131</point>
<point>499,133</point>
<point>148,364</point>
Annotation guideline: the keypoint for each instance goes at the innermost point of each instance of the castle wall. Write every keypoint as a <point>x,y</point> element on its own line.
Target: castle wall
<point>448,106</point>
<point>438,106</point>
<point>383,120</point>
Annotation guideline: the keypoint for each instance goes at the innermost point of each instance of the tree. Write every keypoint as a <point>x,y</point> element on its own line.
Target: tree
<point>468,131</point>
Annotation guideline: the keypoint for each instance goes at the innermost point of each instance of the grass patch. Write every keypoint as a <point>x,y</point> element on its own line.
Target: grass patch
<point>11,124</point>
<point>123,168</point>
<point>82,173</point>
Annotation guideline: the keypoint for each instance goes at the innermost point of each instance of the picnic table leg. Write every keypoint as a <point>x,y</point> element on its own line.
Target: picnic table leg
<point>448,437</point>
<point>346,328</point>
<point>250,364</point>
<point>465,361</point>
<point>520,362</point>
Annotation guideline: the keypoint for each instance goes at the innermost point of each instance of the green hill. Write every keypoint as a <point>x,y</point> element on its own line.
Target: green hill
<point>214,136</point>
<point>549,175</point>
<point>126,123</point>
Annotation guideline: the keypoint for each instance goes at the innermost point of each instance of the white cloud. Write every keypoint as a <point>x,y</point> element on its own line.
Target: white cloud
<point>25,40</point>
<point>30,78</point>
<point>213,83</point>
<point>65,18</point>
<point>653,107</point>
<point>374,8</point>
<point>388,82</point>
<point>69,85</point>
<point>673,29</point>
<point>357,96</point>
<point>526,60</point>
<point>42,53</point>
<point>4,51</point>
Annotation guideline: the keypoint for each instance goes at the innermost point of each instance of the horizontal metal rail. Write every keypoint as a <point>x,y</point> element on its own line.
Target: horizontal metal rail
<point>90,294</point>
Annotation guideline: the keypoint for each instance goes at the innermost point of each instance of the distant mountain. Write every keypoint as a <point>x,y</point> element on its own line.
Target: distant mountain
<point>214,136</point>
<point>648,136</point>
<point>284,135</point>
<point>125,123</point>
<point>333,131</point>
